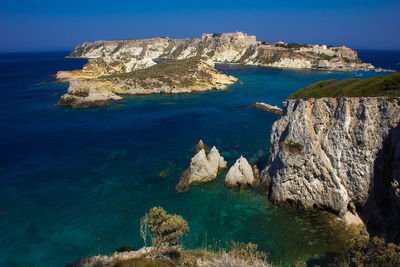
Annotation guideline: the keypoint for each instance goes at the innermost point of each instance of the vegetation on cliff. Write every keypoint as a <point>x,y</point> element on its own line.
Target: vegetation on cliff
<point>167,71</point>
<point>385,85</point>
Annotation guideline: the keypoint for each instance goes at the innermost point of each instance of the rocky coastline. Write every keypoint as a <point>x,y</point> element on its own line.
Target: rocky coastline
<point>237,47</point>
<point>128,67</point>
<point>91,87</point>
<point>340,154</point>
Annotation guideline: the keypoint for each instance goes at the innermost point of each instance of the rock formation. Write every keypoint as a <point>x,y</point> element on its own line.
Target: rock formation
<point>333,153</point>
<point>200,145</point>
<point>268,108</point>
<point>203,168</point>
<point>91,88</point>
<point>126,55</point>
<point>240,174</point>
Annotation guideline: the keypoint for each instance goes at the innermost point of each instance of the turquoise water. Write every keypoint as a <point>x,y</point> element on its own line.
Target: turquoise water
<point>75,182</point>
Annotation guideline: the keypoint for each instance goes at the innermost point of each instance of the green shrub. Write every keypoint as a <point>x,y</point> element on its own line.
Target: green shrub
<point>124,249</point>
<point>362,251</point>
<point>166,229</point>
<point>383,85</point>
<point>292,147</point>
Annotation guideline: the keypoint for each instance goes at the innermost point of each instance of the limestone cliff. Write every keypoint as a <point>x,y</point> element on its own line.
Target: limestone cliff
<point>126,55</point>
<point>339,153</point>
<point>92,87</point>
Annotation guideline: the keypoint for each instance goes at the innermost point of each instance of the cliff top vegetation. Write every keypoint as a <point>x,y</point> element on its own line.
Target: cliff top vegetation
<point>383,85</point>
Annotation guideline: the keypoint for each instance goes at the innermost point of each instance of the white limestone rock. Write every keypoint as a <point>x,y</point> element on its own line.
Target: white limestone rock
<point>203,168</point>
<point>240,174</point>
<point>329,152</point>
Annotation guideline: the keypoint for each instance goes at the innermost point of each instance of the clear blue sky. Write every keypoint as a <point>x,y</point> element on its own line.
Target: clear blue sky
<point>60,25</point>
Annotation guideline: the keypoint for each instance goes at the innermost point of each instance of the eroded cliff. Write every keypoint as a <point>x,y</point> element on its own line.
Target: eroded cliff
<point>126,55</point>
<point>339,154</point>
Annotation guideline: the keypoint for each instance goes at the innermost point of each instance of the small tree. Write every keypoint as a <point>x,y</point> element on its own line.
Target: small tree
<point>166,229</point>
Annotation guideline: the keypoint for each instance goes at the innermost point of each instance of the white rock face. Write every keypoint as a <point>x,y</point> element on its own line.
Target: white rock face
<point>328,152</point>
<point>224,48</point>
<point>203,168</point>
<point>292,63</point>
<point>240,174</point>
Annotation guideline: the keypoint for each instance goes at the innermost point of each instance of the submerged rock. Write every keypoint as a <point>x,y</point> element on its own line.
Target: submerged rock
<point>203,168</point>
<point>240,174</point>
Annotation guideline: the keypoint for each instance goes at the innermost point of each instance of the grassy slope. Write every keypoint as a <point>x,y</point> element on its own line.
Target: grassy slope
<point>386,85</point>
<point>168,68</point>
<point>181,73</point>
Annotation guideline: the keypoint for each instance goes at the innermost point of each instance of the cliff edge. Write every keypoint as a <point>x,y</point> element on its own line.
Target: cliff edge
<point>340,153</point>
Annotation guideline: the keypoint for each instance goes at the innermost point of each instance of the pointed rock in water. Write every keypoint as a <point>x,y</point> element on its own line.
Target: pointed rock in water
<point>201,146</point>
<point>203,168</point>
<point>240,175</point>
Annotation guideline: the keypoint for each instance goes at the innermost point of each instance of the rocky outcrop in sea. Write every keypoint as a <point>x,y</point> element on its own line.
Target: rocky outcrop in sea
<point>203,168</point>
<point>338,154</point>
<point>268,108</point>
<point>240,175</point>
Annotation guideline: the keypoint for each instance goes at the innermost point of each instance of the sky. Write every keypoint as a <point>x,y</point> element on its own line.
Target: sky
<point>27,25</point>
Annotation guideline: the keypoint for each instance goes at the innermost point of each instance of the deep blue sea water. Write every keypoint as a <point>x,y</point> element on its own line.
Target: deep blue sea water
<point>75,182</point>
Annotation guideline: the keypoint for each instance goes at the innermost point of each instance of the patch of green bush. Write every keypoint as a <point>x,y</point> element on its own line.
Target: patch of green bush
<point>294,46</point>
<point>383,85</point>
<point>292,147</point>
<point>362,251</point>
<point>124,249</point>
<point>166,230</point>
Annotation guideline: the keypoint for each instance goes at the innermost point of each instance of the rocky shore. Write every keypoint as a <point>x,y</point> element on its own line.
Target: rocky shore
<point>92,87</point>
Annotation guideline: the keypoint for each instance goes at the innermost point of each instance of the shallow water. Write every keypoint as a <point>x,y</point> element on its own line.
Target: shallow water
<point>75,182</point>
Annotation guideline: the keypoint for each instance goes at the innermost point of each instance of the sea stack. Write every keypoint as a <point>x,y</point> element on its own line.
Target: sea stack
<point>240,175</point>
<point>203,168</point>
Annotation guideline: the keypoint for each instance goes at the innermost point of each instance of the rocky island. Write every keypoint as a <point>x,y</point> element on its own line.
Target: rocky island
<point>128,67</point>
<point>237,47</point>
<point>93,87</point>
<point>337,147</point>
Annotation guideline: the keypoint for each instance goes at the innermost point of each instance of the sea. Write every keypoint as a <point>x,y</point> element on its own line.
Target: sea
<point>75,182</point>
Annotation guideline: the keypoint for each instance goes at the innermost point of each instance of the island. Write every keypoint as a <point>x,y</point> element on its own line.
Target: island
<point>168,65</point>
<point>91,87</point>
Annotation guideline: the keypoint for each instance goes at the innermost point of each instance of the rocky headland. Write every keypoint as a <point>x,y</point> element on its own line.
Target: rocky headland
<point>337,147</point>
<point>92,87</point>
